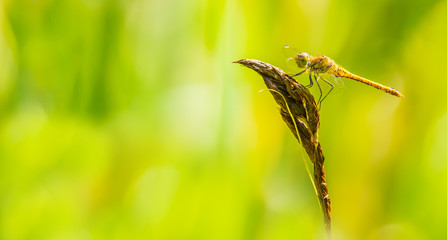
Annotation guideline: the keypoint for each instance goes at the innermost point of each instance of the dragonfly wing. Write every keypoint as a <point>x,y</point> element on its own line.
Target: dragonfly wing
<point>289,51</point>
<point>337,83</point>
<point>289,54</point>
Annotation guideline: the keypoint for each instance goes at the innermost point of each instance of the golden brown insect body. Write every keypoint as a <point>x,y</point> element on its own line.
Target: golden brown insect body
<point>321,64</point>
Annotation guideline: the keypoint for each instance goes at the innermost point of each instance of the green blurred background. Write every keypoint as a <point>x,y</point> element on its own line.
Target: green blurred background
<point>127,120</point>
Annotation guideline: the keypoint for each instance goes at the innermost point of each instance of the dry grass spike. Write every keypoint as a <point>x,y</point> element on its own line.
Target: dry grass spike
<point>299,111</point>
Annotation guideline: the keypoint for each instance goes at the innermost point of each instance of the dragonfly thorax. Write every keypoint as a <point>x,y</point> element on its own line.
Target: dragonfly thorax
<point>302,59</point>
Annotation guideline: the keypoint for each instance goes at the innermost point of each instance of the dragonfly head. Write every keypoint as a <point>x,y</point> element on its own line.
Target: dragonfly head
<point>302,59</point>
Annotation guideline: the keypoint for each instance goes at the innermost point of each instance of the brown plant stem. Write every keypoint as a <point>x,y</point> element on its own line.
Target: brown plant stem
<point>299,110</point>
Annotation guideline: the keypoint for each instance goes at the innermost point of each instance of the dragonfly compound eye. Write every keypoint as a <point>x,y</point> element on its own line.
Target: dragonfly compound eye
<point>302,59</point>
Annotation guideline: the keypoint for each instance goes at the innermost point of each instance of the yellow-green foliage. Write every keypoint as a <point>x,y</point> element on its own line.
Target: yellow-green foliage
<point>127,120</point>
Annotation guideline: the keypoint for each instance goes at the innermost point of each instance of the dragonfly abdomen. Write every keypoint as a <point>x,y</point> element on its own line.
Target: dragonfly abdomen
<point>343,73</point>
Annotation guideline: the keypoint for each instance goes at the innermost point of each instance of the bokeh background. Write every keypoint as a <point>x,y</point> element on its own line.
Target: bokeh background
<point>125,119</point>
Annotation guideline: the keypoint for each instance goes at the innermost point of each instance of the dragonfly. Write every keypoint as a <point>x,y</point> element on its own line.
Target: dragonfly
<point>318,65</point>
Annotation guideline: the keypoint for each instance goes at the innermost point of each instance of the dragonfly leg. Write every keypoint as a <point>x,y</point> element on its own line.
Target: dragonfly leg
<point>299,73</point>
<point>332,88</point>
<point>311,82</point>
<point>321,92</point>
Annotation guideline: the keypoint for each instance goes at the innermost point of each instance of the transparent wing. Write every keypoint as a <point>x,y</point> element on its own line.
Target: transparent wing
<point>289,54</point>
<point>336,82</point>
<point>290,51</point>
